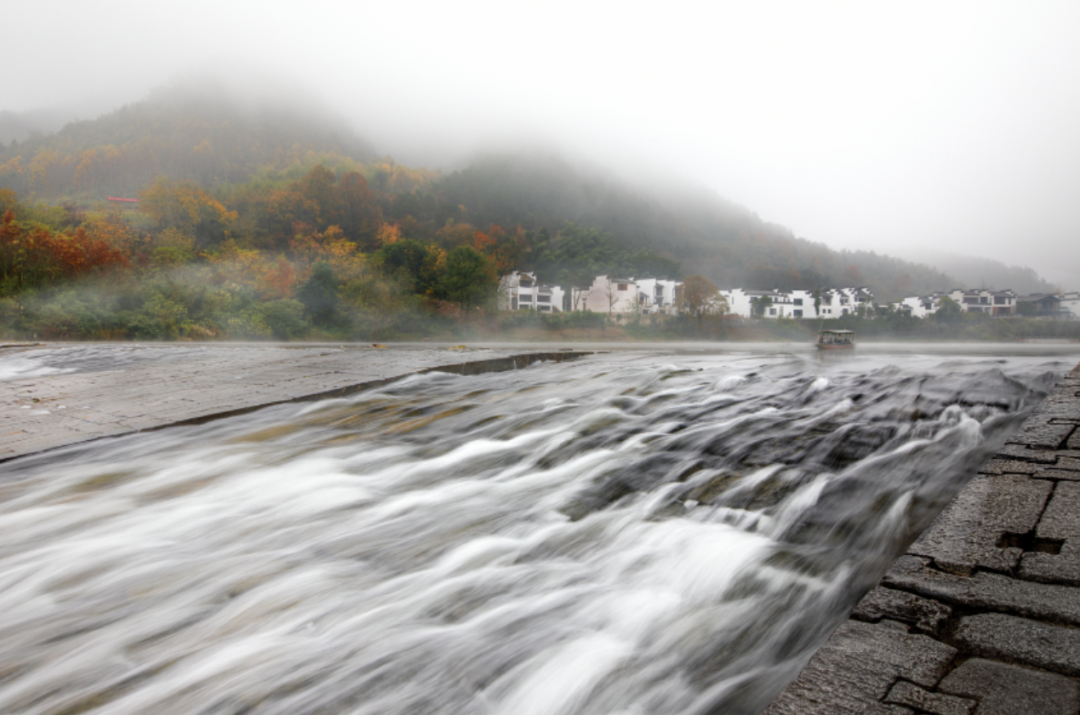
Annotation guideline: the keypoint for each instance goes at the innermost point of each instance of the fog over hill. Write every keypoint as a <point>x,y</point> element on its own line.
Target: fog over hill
<point>217,131</point>
<point>197,128</point>
<point>976,272</point>
<point>863,126</point>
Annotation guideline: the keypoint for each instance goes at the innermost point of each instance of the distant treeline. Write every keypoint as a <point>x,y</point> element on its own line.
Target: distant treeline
<point>276,256</point>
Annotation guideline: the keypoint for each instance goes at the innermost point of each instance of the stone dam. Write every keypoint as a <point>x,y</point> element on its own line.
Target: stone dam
<point>980,616</point>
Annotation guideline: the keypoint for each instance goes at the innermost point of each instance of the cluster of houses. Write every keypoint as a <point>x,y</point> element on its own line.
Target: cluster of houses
<point>1001,303</point>
<point>519,290</point>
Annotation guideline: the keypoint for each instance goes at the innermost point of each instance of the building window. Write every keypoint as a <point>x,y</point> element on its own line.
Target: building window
<point>984,300</point>
<point>1000,300</point>
<point>798,301</point>
<point>526,283</point>
<point>798,313</point>
<point>543,299</point>
<point>525,298</point>
<point>622,286</point>
<point>772,311</point>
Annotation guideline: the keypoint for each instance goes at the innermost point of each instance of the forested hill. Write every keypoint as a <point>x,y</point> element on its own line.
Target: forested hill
<point>244,152</point>
<point>705,233</point>
<point>202,137</point>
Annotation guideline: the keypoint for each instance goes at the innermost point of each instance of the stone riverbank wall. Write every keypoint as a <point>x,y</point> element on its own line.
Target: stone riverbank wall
<point>981,616</point>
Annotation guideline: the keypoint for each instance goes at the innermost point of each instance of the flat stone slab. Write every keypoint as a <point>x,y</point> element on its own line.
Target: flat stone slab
<point>905,693</point>
<point>997,467</point>
<point>1021,640</point>
<point>971,532</point>
<point>857,668</point>
<point>1004,689</point>
<point>1059,523</point>
<point>983,590</point>
<point>923,614</point>
<point>60,395</point>
<point>1040,433</point>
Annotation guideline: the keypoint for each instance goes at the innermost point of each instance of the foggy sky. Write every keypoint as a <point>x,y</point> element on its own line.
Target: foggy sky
<point>861,125</point>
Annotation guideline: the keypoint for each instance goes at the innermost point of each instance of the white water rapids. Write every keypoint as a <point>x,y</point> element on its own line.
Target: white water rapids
<point>623,534</point>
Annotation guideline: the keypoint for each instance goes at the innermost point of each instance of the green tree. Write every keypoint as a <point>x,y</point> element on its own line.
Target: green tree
<point>469,278</point>
<point>948,310</point>
<point>408,255</point>
<point>761,305</point>
<point>284,318</point>
<point>319,295</point>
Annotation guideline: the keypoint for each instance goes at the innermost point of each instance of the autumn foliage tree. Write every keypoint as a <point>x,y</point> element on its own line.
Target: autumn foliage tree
<point>183,206</point>
<point>697,296</point>
<point>33,257</point>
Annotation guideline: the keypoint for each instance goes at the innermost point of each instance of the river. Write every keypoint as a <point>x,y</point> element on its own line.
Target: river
<point>628,533</point>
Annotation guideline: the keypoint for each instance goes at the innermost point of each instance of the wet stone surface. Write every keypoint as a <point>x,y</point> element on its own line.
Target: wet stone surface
<point>63,394</point>
<point>858,667</point>
<point>1004,689</point>
<point>987,600</point>
<point>972,531</point>
<point>1059,530</point>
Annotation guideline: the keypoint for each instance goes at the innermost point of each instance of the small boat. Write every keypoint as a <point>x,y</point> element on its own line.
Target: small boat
<point>836,340</point>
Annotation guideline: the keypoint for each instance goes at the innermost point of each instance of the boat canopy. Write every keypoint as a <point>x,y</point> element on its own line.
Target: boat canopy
<point>835,338</point>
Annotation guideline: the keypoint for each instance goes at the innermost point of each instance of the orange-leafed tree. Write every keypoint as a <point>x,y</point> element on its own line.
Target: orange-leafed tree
<point>36,257</point>
<point>279,281</point>
<point>388,233</point>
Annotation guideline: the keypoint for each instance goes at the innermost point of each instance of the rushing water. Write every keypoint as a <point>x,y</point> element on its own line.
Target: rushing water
<point>623,534</point>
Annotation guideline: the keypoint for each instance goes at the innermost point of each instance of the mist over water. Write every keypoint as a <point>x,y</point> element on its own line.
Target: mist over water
<point>623,534</point>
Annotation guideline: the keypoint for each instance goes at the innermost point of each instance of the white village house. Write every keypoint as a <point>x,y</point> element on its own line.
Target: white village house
<point>919,306</point>
<point>832,303</point>
<point>623,296</point>
<point>1071,302</point>
<point>520,291</point>
<point>980,300</point>
<point>995,302</point>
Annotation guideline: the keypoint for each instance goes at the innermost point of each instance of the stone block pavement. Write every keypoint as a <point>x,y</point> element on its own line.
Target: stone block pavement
<point>56,395</point>
<point>981,616</point>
